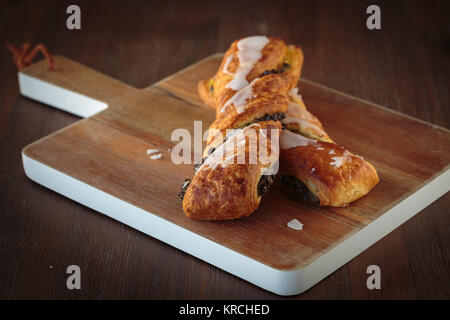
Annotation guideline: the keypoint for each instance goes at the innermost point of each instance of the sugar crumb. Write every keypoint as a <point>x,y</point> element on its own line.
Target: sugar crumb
<point>152,151</point>
<point>295,224</point>
<point>338,161</point>
<point>156,156</point>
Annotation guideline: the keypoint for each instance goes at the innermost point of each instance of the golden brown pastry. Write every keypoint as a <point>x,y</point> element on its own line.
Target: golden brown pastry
<point>321,171</point>
<point>226,188</point>
<point>263,99</point>
<point>251,91</point>
<point>299,120</point>
<point>276,58</point>
<point>313,165</point>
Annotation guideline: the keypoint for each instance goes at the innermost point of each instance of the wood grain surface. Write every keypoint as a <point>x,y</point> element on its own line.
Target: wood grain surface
<point>108,151</point>
<point>404,66</point>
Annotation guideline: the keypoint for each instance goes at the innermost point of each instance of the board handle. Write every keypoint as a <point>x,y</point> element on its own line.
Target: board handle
<point>72,87</point>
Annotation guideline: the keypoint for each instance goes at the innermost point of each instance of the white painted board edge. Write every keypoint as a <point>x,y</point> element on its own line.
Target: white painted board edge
<point>277,281</point>
<point>274,280</point>
<point>58,97</point>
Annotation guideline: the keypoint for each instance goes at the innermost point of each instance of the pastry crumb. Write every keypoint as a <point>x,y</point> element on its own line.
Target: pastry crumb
<point>295,224</point>
<point>152,151</point>
<point>156,156</point>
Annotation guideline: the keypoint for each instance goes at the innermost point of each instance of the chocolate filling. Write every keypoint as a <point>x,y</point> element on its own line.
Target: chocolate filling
<point>292,130</point>
<point>198,165</point>
<point>184,187</point>
<point>274,117</point>
<point>264,184</point>
<point>283,68</point>
<point>300,188</point>
<point>266,72</point>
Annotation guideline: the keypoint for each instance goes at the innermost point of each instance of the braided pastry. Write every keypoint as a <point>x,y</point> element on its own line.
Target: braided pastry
<point>321,171</point>
<point>252,102</point>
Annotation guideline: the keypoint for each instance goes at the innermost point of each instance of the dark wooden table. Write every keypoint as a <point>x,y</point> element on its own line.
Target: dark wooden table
<point>404,66</point>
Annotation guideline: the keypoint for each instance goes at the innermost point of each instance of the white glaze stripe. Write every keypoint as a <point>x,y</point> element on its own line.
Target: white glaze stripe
<point>290,140</point>
<point>249,53</point>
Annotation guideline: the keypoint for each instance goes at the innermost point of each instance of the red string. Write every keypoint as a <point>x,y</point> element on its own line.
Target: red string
<point>23,59</point>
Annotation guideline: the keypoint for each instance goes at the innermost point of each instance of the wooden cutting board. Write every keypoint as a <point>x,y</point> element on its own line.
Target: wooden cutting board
<point>101,162</point>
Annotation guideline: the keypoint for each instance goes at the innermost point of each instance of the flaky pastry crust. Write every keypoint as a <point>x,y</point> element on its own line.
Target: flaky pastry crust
<point>323,172</point>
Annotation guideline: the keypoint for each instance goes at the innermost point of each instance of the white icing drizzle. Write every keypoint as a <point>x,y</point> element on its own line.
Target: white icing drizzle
<point>250,49</point>
<point>227,62</point>
<point>226,152</point>
<point>240,98</point>
<point>290,140</point>
<point>270,170</point>
<point>239,79</point>
<point>294,93</point>
<point>338,161</point>
<point>304,118</point>
<point>249,53</point>
<point>348,155</point>
<point>313,169</point>
<point>332,152</point>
